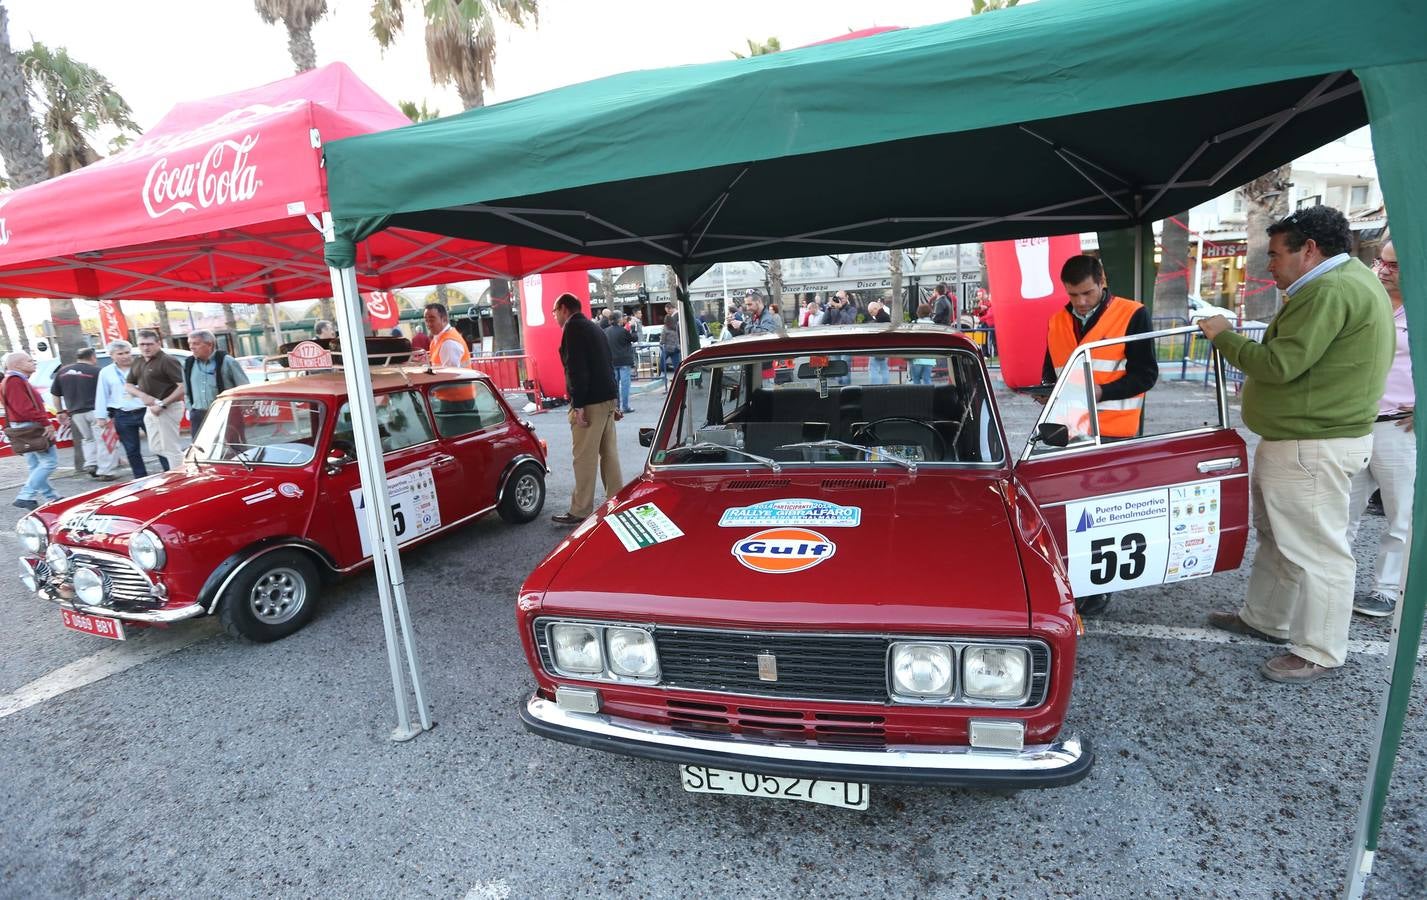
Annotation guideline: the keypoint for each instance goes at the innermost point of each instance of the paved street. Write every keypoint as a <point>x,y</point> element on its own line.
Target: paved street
<point>185,763</point>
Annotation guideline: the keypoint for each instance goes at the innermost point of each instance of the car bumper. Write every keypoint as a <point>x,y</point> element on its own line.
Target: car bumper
<point>1059,763</point>
<point>152,616</point>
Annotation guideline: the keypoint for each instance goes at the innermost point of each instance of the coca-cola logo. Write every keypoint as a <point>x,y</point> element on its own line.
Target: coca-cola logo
<point>379,305</point>
<point>4,229</point>
<point>222,176</point>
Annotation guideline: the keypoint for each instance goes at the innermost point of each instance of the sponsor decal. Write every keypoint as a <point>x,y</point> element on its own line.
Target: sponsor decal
<point>381,309</point>
<point>222,176</point>
<point>288,489</point>
<point>782,551</point>
<point>792,511</point>
<point>642,526</point>
<point>260,496</point>
<point>309,355</point>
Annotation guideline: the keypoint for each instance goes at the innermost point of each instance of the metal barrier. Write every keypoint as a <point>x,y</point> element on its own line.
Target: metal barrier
<point>507,370</point>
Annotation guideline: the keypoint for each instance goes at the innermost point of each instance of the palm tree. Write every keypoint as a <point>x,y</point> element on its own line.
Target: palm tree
<point>417,114</point>
<point>772,45</point>
<point>298,16</point>
<point>461,49</point>
<point>19,138</point>
<point>14,306</point>
<point>894,267</point>
<point>1171,286</point>
<point>984,6</point>
<point>1267,200</point>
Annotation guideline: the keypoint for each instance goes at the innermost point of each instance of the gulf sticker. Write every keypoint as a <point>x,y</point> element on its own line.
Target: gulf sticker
<point>779,551</point>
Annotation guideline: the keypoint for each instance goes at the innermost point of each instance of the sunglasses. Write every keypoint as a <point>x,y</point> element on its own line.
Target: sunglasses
<point>1385,265</point>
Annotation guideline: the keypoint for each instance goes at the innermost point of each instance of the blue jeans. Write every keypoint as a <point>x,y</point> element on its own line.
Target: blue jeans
<point>621,376</point>
<point>921,373</point>
<point>668,361</point>
<point>38,486</point>
<point>127,423</point>
<point>877,371</point>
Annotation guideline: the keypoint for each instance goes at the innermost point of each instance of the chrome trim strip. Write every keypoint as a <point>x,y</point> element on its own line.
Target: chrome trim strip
<point>1093,496</point>
<point>1040,758</point>
<point>148,615</point>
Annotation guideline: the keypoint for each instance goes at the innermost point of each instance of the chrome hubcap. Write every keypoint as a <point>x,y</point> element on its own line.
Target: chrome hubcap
<point>527,492</point>
<point>278,596</point>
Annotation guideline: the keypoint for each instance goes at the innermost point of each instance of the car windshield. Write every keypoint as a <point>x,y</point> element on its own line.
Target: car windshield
<point>259,431</point>
<point>903,407</point>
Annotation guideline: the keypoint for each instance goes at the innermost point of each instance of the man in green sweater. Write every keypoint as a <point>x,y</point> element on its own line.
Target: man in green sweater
<point>1311,394</point>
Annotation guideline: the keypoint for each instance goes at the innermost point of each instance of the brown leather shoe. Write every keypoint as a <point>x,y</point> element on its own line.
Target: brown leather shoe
<point>567,519</point>
<point>1230,621</point>
<point>1291,669</point>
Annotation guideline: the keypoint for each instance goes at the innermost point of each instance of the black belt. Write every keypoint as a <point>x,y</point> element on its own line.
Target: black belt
<point>1392,417</point>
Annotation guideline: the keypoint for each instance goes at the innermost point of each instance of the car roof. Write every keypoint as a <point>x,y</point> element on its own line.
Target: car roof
<point>839,339</point>
<point>334,384</point>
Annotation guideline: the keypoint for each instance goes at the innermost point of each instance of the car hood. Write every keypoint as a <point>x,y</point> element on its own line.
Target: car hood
<point>895,552</point>
<point>105,519</point>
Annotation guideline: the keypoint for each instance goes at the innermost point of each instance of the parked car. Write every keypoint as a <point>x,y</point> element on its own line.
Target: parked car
<point>820,582</point>
<point>254,368</point>
<point>267,508</point>
<point>1201,309</point>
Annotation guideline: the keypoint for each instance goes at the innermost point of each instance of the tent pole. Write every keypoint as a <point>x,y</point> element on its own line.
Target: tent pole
<point>386,556</point>
<point>689,333</point>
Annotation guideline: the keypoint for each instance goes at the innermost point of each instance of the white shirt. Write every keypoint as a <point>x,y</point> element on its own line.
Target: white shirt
<point>110,393</point>
<point>1326,265</point>
<point>450,350</point>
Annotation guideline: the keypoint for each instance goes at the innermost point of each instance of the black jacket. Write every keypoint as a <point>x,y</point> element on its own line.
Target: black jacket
<point>621,345</point>
<point>1141,367</point>
<point>76,384</point>
<point>589,374</point>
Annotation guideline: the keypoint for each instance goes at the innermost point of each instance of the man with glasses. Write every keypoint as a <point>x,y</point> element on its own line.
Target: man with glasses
<point>1393,467</point>
<point>206,374</point>
<point>589,380</point>
<point>1311,393</point>
<point>157,379</point>
<point>114,404</point>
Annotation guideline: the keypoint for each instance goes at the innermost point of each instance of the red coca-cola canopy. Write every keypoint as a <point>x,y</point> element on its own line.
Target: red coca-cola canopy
<point>217,202</point>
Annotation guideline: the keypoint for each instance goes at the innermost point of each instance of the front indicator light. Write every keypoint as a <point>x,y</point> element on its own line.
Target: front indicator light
<point>995,673</point>
<point>577,648</point>
<point>922,670</point>
<point>89,586</point>
<point>631,652</point>
<point>27,575</point>
<point>58,559</point>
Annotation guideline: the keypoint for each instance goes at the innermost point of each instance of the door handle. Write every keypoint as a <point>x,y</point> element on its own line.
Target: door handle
<point>1220,465</point>
<point>443,459</point>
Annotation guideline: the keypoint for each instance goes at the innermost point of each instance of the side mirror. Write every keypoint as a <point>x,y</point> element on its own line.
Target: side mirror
<point>1053,434</point>
<point>337,459</point>
<point>646,437</point>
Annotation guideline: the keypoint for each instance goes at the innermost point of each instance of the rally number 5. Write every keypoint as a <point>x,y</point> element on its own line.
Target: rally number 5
<point>1105,560</point>
<point>398,519</point>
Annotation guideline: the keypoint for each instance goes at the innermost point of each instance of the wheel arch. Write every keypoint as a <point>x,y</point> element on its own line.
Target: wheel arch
<point>510,468</point>
<point>235,565</point>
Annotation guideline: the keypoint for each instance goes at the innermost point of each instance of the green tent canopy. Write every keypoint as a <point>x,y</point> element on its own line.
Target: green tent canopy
<point>1051,118</point>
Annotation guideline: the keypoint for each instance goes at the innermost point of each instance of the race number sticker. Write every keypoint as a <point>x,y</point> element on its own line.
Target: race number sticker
<point>414,510</point>
<point>1125,541</point>
<point>642,526</point>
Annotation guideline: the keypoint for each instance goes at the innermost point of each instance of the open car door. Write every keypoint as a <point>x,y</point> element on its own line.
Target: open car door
<point>1167,505</point>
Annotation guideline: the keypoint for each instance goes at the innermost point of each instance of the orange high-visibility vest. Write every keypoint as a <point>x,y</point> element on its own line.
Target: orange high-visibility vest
<point>456,393</point>
<point>1118,418</point>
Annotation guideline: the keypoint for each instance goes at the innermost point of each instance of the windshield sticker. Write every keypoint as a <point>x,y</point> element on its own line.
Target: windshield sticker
<point>792,511</point>
<point>1132,540</point>
<point>782,551</point>
<point>642,526</point>
<point>414,509</point>
<point>260,496</point>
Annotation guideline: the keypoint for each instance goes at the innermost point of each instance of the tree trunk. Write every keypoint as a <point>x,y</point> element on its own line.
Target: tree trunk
<point>230,318</point>
<point>471,98</point>
<point>894,266</point>
<point>20,335</point>
<point>1266,200</point>
<point>165,329</point>
<point>1171,286</point>
<point>775,288</point>
<point>68,334</point>
<point>5,345</point>
<point>301,48</point>
<point>329,310</point>
<point>506,330</point>
<point>607,286</point>
<point>19,139</point>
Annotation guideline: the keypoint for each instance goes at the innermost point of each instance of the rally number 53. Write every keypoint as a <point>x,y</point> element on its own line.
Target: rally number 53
<point>1127,560</point>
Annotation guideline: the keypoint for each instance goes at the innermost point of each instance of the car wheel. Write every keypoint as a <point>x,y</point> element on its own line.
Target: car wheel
<point>524,496</point>
<point>272,598</point>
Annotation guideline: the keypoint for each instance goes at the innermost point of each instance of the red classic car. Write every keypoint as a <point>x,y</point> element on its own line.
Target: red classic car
<point>266,507</point>
<point>831,573</point>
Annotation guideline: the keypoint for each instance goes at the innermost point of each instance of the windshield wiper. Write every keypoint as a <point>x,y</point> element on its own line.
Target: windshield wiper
<point>710,445</point>
<point>834,444</point>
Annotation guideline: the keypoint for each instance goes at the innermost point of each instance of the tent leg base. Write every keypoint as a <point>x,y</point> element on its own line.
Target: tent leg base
<point>401,735</point>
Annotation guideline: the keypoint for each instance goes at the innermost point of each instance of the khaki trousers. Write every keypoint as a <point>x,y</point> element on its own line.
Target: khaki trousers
<point>1393,470</point>
<point>596,447</point>
<point>162,429</point>
<point>1301,587</point>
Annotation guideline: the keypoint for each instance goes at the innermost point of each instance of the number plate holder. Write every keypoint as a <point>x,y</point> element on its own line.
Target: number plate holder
<point>827,792</point>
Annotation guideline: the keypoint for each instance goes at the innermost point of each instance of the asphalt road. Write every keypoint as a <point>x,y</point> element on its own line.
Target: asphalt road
<point>186,763</point>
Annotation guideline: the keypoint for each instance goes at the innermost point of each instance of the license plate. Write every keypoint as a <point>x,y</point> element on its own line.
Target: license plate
<point>99,626</point>
<point>704,780</point>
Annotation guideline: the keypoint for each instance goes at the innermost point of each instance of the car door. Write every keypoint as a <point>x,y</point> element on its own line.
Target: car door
<point>424,481</point>
<point>1169,505</point>
<point>473,427</point>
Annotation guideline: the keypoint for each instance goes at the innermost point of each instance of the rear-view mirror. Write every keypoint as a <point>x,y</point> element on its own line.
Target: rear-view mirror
<point>1053,434</point>
<point>833,368</point>
<point>646,437</point>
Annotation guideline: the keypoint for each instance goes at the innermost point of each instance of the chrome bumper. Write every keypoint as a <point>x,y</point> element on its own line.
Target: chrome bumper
<point>155,616</point>
<point>1061,762</point>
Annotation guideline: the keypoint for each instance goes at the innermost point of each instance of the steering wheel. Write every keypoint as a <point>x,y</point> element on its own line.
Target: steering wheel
<point>938,443</point>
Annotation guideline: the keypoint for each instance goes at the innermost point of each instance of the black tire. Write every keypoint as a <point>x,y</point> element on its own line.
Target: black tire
<point>273,597</point>
<point>524,495</point>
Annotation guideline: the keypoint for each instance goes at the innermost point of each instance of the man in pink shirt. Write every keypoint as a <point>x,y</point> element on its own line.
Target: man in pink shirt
<point>1393,467</point>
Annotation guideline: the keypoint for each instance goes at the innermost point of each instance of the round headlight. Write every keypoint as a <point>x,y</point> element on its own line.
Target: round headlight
<point>147,550</point>
<point>921,670</point>
<point>33,535</point>
<point>27,575</point>
<point>995,673</point>
<point>89,585</point>
<point>576,648</point>
<point>58,559</point>
<point>631,652</point>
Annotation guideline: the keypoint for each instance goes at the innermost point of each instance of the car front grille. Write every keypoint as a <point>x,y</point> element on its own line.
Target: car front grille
<point>128,585</point>
<point>836,667</point>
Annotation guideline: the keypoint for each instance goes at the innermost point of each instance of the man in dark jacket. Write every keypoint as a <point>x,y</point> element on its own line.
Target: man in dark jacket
<point>621,352</point>
<point>589,379</point>
<point>74,386</point>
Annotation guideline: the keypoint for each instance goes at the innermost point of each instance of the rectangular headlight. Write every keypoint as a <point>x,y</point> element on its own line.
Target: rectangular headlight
<point>631,652</point>
<point>922,669</point>
<point>577,648</point>
<point>995,672</point>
